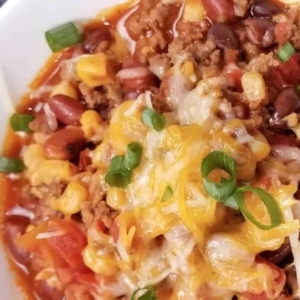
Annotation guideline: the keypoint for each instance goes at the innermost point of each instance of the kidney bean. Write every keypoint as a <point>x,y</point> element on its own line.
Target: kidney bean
<point>65,144</point>
<point>94,37</point>
<point>219,10</point>
<point>223,36</point>
<point>261,32</point>
<point>66,109</point>
<point>135,75</point>
<point>14,227</point>
<point>264,9</point>
<point>283,140</point>
<point>286,102</point>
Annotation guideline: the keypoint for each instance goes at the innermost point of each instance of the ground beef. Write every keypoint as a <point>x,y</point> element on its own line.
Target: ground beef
<point>263,63</point>
<point>99,211</point>
<point>102,98</point>
<point>190,32</point>
<point>151,16</point>
<point>147,47</point>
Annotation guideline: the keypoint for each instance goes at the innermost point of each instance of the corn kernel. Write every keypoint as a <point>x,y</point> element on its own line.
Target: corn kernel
<point>254,87</point>
<point>193,11</point>
<point>66,89</point>
<point>29,228</point>
<point>259,147</point>
<point>116,198</point>
<point>51,171</point>
<point>296,129</point>
<point>43,171</point>
<point>100,264</point>
<point>95,70</point>
<point>90,122</point>
<point>188,71</point>
<point>292,120</point>
<point>70,202</point>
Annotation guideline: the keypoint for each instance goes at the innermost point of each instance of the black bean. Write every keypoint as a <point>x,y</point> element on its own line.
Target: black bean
<point>287,101</point>
<point>264,9</point>
<point>223,36</point>
<point>260,32</point>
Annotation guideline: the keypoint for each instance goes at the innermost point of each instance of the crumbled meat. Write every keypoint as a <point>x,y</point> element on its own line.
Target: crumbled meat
<point>102,98</point>
<point>45,195</point>
<point>151,16</point>
<point>190,32</point>
<point>263,62</point>
<point>199,50</point>
<point>97,211</point>
<point>250,51</point>
<point>146,47</point>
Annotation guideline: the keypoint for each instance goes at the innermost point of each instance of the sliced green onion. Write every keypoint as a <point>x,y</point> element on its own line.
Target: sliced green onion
<point>20,122</point>
<point>286,52</point>
<point>268,200</point>
<point>118,175</point>
<point>168,193</point>
<point>11,165</point>
<point>133,155</point>
<point>153,119</point>
<point>63,36</point>
<point>147,293</point>
<point>219,160</point>
<point>231,202</point>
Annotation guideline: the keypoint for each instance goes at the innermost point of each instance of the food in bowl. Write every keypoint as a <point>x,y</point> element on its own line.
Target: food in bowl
<point>157,156</point>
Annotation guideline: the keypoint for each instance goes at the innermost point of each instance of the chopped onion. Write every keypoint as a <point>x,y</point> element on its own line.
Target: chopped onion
<point>51,234</point>
<point>51,119</point>
<point>21,211</point>
<point>134,73</point>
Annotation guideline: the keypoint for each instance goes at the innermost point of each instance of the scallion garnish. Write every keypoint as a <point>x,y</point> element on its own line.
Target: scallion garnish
<point>268,200</point>
<point>219,160</point>
<point>133,155</point>
<point>20,122</point>
<point>153,119</point>
<point>286,52</point>
<point>11,165</point>
<point>118,175</point>
<point>168,193</point>
<point>63,36</point>
<point>232,196</point>
<point>147,293</point>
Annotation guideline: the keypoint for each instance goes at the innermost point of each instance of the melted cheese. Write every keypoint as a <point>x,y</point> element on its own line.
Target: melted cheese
<point>206,251</point>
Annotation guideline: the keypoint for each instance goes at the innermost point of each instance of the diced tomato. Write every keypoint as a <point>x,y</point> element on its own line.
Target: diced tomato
<point>233,75</point>
<point>84,159</point>
<point>287,74</point>
<point>279,279</point>
<point>69,244</point>
<point>282,33</point>
<point>100,226</point>
<point>219,10</point>
<point>30,242</point>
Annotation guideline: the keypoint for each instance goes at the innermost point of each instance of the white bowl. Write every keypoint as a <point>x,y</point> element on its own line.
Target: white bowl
<point>23,51</point>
